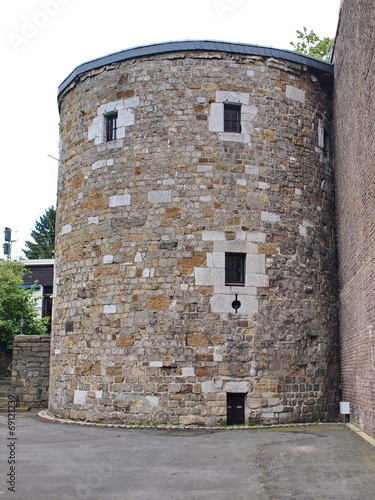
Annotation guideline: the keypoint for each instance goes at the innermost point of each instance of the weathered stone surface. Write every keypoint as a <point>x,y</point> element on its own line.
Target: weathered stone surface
<point>156,337</point>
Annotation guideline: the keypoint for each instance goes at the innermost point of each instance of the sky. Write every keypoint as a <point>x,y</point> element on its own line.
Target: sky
<point>42,41</point>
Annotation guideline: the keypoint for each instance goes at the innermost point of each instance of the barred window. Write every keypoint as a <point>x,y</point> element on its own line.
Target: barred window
<point>235,269</point>
<point>232,118</point>
<point>111,126</point>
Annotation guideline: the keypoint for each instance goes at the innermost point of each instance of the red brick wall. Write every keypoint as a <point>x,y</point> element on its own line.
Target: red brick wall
<point>354,119</point>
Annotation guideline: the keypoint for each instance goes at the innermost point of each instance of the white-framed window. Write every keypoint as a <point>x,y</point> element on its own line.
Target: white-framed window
<point>108,128</point>
<point>232,116</point>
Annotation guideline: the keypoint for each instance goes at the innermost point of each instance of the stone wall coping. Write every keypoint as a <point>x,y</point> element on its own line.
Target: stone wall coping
<point>197,45</point>
<point>32,338</point>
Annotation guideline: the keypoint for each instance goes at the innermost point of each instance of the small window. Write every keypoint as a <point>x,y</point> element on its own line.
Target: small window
<point>232,118</point>
<point>327,143</point>
<point>111,126</point>
<point>235,269</point>
<point>235,408</point>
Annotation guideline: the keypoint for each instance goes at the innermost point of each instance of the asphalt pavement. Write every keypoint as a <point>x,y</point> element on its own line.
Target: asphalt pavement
<point>54,461</point>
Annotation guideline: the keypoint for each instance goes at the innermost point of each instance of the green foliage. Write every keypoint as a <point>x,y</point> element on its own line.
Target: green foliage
<point>311,45</point>
<point>16,303</point>
<point>43,246</point>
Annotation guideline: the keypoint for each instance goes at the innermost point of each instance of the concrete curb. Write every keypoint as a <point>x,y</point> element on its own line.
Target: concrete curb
<point>361,433</point>
<point>50,418</point>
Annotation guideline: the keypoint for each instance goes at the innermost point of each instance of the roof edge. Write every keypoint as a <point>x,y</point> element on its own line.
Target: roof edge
<point>196,45</point>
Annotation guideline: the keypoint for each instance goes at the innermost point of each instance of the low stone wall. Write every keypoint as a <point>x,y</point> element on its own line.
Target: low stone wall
<point>30,370</point>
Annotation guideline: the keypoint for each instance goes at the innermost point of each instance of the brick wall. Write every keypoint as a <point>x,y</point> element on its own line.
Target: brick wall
<point>30,370</point>
<point>354,119</point>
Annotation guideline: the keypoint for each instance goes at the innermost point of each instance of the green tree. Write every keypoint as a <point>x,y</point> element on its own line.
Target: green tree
<point>43,246</point>
<point>16,304</point>
<point>311,45</point>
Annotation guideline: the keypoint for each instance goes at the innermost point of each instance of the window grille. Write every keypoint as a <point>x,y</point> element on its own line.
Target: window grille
<point>111,126</point>
<point>235,269</point>
<point>232,118</point>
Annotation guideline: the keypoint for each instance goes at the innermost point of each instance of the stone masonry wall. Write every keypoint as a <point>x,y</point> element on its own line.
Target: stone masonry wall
<point>144,327</point>
<point>30,370</point>
<point>355,174</point>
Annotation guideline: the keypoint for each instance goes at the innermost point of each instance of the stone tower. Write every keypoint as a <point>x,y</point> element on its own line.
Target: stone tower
<point>195,257</point>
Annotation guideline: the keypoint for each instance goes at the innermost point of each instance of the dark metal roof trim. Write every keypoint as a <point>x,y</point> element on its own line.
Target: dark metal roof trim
<point>205,45</point>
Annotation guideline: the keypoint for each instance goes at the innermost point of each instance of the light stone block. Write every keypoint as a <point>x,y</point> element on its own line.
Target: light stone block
<point>302,230</point>
<point>99,164</point>
<point>156,364</point>
<point>257,280</point>
<point>98,394</point>
<point>237,387</point>
<point>270,217</point>
<point>240,236</point>
<point>125,118</point>
<point>109,107</point>
<point>241,182</point>
<point>108,259</point>
<point>233,137</point>
<point>232,97</point>
<point>131,103</point>
<point>263,185</point>
<point>295,94</point>
<point>169,182</point>
<point>235,246</point>
<point>251,170</point>
<point>66,229</point>
<point>119,200</point>
<point>148,272</point>
<point>216,118</point>
<point>188,371</point>
<point>255,264</point>
<point>213,236</point>
<point>208,276</point>
<point>204,168</point>
<point>110,309</point>
<point>212,386</point>
<point>153,400</point>
<point>93,220</point>
<point>256,237</point>
<point>235,290</point>
<point>248,113</point>
<point>223,304</point>
<point>139,256</point>
<point>120,132</point>
<point>80,397</point>
<point>205,198</point>
<point>216,259</point>
<point>159,196</point>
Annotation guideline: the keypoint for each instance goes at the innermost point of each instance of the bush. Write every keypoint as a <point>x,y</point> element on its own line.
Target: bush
<point>17,304</point>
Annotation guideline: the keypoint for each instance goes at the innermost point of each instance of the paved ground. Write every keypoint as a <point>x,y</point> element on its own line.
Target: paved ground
<point>65,462</point>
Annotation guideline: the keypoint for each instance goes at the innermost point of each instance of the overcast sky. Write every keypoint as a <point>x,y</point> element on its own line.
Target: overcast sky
<point>44,40</point>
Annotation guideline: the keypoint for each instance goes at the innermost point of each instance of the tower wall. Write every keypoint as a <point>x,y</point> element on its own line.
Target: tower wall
<point>145,329</point>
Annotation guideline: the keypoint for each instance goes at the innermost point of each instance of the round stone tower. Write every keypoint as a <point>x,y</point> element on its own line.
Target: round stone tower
<point>195,254</point>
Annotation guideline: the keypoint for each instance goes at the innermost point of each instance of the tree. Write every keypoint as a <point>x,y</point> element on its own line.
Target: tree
<point>17,304</point>
<point>43,246</point>
<point>311,45</point>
